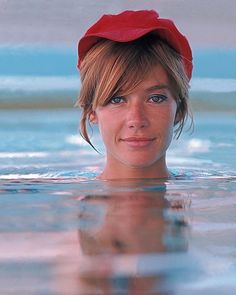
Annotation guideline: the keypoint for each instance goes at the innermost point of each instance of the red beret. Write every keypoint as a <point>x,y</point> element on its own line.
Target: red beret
<point>131,25</point>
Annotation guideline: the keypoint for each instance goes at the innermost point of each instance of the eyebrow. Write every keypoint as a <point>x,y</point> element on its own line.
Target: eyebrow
<point>157,87</point>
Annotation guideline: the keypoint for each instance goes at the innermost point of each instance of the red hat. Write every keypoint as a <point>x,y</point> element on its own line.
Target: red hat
<point>131,25</point>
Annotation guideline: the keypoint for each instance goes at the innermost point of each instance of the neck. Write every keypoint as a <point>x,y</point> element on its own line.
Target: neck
<point>122,171</point>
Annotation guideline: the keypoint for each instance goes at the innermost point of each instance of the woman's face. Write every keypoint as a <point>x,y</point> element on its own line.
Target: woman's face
<point>137,129</point>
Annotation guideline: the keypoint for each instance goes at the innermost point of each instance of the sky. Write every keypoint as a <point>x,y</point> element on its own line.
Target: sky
<point>206,23</point>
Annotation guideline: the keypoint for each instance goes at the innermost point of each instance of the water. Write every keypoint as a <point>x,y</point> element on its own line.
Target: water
<point>88,237</point>
<point>64,232</point>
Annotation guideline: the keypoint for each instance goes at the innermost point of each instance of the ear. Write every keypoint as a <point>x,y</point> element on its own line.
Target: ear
<point>93,117</point>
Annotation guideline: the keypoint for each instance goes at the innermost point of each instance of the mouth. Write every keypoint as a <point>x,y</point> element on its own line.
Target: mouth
<point>138,141</point>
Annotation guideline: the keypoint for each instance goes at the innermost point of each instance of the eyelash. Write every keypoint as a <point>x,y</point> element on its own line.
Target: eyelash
<point>160,98</point>
<point>112,100</point>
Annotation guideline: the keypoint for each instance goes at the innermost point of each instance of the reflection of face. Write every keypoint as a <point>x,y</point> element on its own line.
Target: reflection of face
<point>134,225</point>
<point>137,128</point>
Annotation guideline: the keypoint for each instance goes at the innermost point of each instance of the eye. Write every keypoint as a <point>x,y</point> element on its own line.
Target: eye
<point>116,100</point>
<point>157,98</point>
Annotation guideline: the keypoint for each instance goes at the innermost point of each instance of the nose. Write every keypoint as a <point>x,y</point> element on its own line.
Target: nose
<point>137,117</point>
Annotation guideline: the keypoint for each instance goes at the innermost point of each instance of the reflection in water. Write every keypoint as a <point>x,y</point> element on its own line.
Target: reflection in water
<point>128,241</point>
<point>115,238</point>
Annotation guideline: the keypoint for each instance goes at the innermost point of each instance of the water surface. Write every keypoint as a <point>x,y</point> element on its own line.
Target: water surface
<point>63,232</point>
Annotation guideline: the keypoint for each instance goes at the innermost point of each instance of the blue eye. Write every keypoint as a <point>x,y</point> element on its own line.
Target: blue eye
<point>158,98</point>
<point>116,100</point>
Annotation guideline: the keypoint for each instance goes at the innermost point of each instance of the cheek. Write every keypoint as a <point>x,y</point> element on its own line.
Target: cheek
<point>166,125</point>
<point>172,113</point>
<point>167,116</point>
<point>173,110</point>
<point>106,125</point>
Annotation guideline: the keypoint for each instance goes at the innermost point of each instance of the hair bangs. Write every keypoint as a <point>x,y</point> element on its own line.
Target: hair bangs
<point>124,69</point>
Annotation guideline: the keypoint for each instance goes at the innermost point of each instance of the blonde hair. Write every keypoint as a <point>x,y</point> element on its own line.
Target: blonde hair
<point>111,67</point>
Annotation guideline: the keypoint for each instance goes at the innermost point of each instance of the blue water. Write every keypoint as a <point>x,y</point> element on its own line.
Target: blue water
<point>62,61</point>
<point>37,61</point>
<point>64,232</point>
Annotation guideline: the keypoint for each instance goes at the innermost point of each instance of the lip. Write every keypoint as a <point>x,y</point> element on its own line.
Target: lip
<point>138,141</point>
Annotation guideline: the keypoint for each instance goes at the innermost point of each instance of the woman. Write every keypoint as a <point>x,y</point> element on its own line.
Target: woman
<point>135,68</point>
